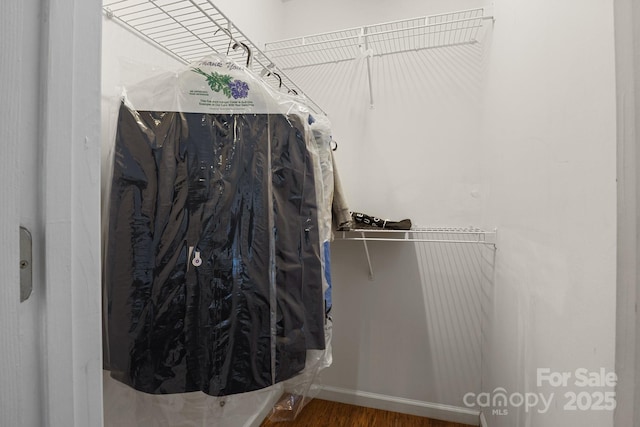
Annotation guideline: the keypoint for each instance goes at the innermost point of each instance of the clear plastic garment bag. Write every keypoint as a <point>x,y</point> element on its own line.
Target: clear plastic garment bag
<point>216,270</point>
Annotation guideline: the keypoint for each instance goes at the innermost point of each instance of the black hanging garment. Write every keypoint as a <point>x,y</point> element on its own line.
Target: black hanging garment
<point>213,269</point>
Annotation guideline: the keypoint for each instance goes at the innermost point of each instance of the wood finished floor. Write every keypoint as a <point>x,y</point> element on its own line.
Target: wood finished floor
<point>322,413</point>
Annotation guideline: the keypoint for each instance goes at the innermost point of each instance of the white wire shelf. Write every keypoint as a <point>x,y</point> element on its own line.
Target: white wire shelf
<point>448,235</point>
<point>408,35</point>
<point>188,30</point>
<point>422,234</point>
<point>447,29</point>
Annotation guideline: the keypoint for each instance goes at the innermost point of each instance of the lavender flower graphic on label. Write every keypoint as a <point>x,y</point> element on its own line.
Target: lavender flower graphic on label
<point>239,89</point>
<point>224,83</point>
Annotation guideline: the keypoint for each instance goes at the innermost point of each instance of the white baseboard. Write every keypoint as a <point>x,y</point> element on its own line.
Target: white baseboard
<point>436,411</point>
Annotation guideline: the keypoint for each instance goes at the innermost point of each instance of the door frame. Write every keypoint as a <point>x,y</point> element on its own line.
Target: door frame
<point>10,42</point>
<point>627,57</point>
<point>71,58</point>
<point>67,115</point>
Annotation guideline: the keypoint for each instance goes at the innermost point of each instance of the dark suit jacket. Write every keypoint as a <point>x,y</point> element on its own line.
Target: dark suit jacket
<point>213,271</point>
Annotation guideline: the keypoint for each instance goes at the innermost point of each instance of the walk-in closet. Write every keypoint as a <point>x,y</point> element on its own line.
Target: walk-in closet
<point>259,213</point>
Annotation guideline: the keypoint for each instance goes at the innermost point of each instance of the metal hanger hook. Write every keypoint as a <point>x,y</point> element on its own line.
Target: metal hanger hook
<point>246,49</point>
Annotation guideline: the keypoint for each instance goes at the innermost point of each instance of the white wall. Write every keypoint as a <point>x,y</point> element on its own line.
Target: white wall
<point>416,153</point>
<point>261,21</point>
<point>545,178</point>
<point>550,186</point>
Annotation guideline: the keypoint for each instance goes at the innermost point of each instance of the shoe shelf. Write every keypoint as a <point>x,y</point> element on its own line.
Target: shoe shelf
<point>445,235</point>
